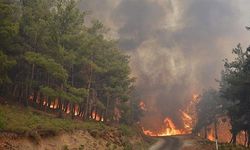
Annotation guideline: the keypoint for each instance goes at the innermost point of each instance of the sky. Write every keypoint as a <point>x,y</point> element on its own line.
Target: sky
<point>177,47</point>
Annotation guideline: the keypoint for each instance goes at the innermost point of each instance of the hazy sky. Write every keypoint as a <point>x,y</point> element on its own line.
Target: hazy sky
<point>176,46</point>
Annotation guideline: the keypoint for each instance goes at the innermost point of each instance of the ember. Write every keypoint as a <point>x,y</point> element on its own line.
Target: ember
<point>96,117</point>
<point>142,106</point>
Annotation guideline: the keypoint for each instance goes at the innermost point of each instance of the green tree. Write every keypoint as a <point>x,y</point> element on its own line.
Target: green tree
<point>209,108</point>
<point>235,88</point>
<point>58,64</point>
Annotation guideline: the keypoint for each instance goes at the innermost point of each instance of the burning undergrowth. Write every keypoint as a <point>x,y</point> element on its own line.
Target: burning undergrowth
<point>167,125</point>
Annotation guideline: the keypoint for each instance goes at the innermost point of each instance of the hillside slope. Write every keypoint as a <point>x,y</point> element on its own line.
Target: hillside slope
<point>28,129</point>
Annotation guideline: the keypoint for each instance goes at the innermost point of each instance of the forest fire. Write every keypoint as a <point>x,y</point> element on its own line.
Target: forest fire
<point>96,117</point>
<point>187,121</point>
<point>169,128</point>
<point>142,105</point>
<point>195,97</point>
<point>210,136</point>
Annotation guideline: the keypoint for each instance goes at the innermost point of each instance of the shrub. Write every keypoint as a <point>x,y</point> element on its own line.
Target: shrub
<point>126,130</point>
<point>2,121</point>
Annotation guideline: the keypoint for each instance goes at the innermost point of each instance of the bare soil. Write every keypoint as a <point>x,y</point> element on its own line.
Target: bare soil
<point>78,140</point>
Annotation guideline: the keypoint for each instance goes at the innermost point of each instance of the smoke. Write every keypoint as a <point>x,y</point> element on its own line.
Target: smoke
<point>176,46</point>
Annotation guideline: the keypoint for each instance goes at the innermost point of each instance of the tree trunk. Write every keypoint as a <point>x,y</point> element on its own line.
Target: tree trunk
<point>233,140</point>
<point>14,90</point>
<point>72,75</point>
<point>59,108</point>
<point>72,111</point>
<point>248,137</point>
<point>86,114</point>
<point>245,142</point>
<point>107,106</point>
<point>205,132</point>
<point>216,134</point>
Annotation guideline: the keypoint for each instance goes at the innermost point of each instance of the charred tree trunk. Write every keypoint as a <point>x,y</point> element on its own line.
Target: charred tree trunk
<point>34,99</point>
<point>59,107</point>
<point>49,102</point>
<point>245,142</point>
<point>41,100</point>
<point>216,134</point>
<point>45,103</point>
<point>95,114</point>
<point>215,130</point>
<point>66,106</point>
<point>248,137</point>
<point>233,139</point>
<point>72,110</point>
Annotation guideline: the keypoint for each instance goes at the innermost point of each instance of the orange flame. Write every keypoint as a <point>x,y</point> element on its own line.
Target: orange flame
<point>97,117</point>
<point>195,97</point>
<point>210,136</point>
<point>187,120</point>
<point>168,129</point>
<point>142,105</point>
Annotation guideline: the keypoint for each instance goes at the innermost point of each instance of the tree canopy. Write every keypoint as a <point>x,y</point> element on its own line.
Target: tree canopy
<point>52,61</point>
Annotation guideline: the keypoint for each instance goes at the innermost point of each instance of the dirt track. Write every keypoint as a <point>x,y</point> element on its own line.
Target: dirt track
<point>182,142</point>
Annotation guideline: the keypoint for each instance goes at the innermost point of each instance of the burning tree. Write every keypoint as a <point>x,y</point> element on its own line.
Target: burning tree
<point>232,101</point>
<point>208,109</point>
<point>235,88</point>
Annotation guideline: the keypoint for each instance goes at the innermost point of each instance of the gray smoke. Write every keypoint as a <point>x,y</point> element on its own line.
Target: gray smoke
<point>176,46</point>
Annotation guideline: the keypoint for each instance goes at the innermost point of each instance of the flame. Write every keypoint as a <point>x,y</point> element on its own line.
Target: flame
<point>168,129</point>
<point>97,117</point>
<point>210,136</point>
<point>68,109</point>
<point>187,121</point>
<point>142,105</point>
<point>195,97</point>
<point>186,116</point>
<point>76,110</point>
<point>149,133</point>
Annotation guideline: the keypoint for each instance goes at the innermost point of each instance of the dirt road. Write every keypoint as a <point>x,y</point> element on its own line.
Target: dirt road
<point>182,142</point>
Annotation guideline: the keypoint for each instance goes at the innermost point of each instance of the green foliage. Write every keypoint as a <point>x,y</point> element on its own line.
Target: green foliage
<point>128,146</point>
<point>235,86</point>
<point>48,92</point>
<point>127,131</point>
<point>2,121</point>
<point>208,108</point>
<point>77,91</point>
<point>100,105</point>
<point>8,23</point>
<point>49,64</point>
<point>232,147</point>
<point>49,53</point>
<point>74,96</point>
<point>21,120</point>
<point>5,65</point>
